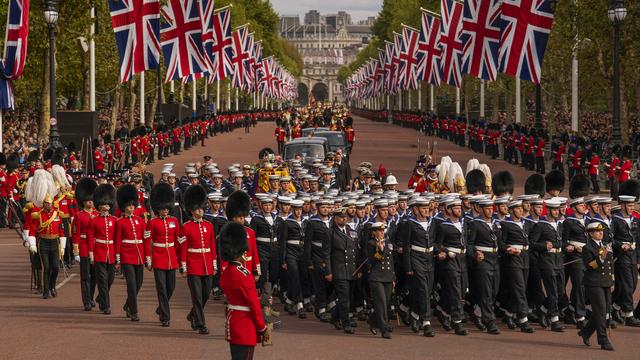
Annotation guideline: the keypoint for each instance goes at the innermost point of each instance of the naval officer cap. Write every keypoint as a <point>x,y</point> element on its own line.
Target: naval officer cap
<point>595,226</point>
<point>378,226</point>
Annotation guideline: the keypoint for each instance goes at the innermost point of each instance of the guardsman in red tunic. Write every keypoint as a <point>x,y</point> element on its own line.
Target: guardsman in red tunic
<point>161,144</point>
<point>135,149</point>
<point>540,154</point>
<point>118,150</point>
<point>80,226</point>
<point>47,227</point>
<point>198,255</point>
<point>625,167</point>
<point>245,322</point>
<point>279,133</point>
<point>98,160</point>
<point>593,170</point>
<point>186,128</point>
<point>100,237</point>
<point>237,209</point>
<point>160,252</point>
<point>176,140</point>
<point>203,131</point>
<point>129,247</point>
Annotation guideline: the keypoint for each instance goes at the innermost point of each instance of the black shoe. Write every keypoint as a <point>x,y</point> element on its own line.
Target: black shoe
<point>134,317</point>
<point>338,325</point>
<point>607,347</point>
<point>93,304</point>
<point>580,324</point>
<point>509,322</point>
<point>302,314</point>
<point>557,327</point>
<point>308,307</point>
<point>386,335</point>
<point>45,294</point>
<point>585,340</point>
<point>164,323</point>
<point>216,294</point>
<point>373,330</point>
<point>612,324</point>
<point>203,330</point>
<point>325,317</point>
<point>289,309</point>
<point>405,317</point>
<point>415,326</point>
<point>190,320</point>
<point>54,292</point>
<point>460,330</point>
<point>126,311</point>
<point>534,316</point>
<point>525,328</point>
<point>428,331</point>
<point>87,308</point>
<point>478,323</point>
<point>492,328</point>
<point>543,320</point>
<point>631,321</point>
<point>362,316</point>
<point>349,330</point>
<point>353,323</point>
<point>106,311</point>
<point>446,322</point>
<point>617,317</point>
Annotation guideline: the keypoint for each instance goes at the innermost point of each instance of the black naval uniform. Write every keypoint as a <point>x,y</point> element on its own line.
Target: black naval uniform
<point>380,276</point>
<point>316,238</point>
<point>291,236</point>
<point>597,282</point>
<point>625,232</point>
<point>573,233</point>
<point>268,251</point>
<point>417,258</point>
<point>340,256</point>
<point>516,268</point>
<point>550,263</point>
<point>450,240</point>
<point>483,236</point>
<point>218,222</point>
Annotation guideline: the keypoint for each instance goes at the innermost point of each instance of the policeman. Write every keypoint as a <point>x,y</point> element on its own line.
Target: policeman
<point>101,236</point>
<point>198,256</point>
<point>597,258</point>
<point>291,237</point>
<point>380,277</point>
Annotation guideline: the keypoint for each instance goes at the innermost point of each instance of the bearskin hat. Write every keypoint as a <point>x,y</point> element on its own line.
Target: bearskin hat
<point>12,162</point>
<point>71,147</point>
<point>630,188</point>
<point>127,195</point>
<point>627,151</point>
<point>57,158</point>
<point>104,194</point>
<point>195,198</point>
<point>233,241</point>
<point>264,152</point>
<point>33,156</point>
<point>162,197</point>
<point>502,183</point>
<point>238,204</point>
<point>47,154</point>
<point>554,180</point>
<point>84,190</point>
<point>535,185</point>
<point>579,186</point>
<point>3,158</point>
<point>476,182</point>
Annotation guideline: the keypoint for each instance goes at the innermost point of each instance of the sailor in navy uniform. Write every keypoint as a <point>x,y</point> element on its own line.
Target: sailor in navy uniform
<point>264,225</point>
<point>291,237</point>
<point>315,240</point>
<point>380,276</point>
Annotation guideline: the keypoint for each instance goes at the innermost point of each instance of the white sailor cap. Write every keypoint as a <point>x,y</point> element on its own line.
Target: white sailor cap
<point>378,226</point>
<point>274,177</point>
<point>537,201</point>
<point>217,176</point>
<point>515,203</point>
<point>419,201</point>
<point>504,199</point>
<point>189,169</point>
<point>453,202</point>
<point>595,226</point>
<point>626,199</point>
<point>576,201</point>
<point>361,203</point>
<point>381,203</point>
<point>604,200</point>
<point>193,176</point>
<point>553,203</point>
<point>172,175</point>
<point>485,202</point>
<point>285,178</point>
<point>349,202</point>
<point>238,174</point>
<point>284,200</point>
<point>341,211</point>
<point>297,203</point>
<point>214,197</point>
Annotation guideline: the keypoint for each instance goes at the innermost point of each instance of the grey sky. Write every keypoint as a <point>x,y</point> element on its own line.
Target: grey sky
<point>359,9</point>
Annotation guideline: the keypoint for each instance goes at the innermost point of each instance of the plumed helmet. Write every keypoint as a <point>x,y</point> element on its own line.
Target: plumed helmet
<point>104,194</point>
<point>502,183</point>
<point>238,204</point>
<point>84,190</point>
<point>127,195</point>
<point>579,186</point>
<point>630,188</point>
<point>554,180</point>
<point>195,198</point>
<point>476,182</point>
<point>162,197</point>
<point>535,184</point>
<point>472,164</point>
<point>233,241</point>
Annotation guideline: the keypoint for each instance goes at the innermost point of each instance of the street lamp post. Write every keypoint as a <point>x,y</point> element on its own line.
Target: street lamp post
<point>51,18</point>
<point>616,13</point>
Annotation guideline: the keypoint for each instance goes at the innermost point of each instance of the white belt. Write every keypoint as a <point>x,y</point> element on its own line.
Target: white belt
<point>249,258</point>
<point>315,243</point>
<point>238,307</point>
<point>265,239</point>
<point>577,243</point>
<point>176,204</point>
<point>83,236</point>
<point>422,249</point>
<point>633,245</point>
<point>199,251</point>
<point>294,242</point>
<point>555,250</point>
<point>487,249</point>
<point>104,241</point>
<point>163,245</point>
<point>132,241</point>
<point>519,247</point>
<point>456,250</point>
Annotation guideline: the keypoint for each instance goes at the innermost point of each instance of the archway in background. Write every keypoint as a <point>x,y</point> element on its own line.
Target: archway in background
<point>320,92</point>
<point>303,94</point>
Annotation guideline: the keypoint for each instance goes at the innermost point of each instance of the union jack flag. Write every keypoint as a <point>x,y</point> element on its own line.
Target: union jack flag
<point>450,43</point>
<point>397,47</point>
<point>256,63</point>
<point>382,60</point>
<point>181,39</point>
<point>481,38</point>
<point>407,76</point>
<point>240,59</point>
<point>429,49</point>
<point>136,24</point>
<point>389,52</point>
<point>248,85</point>
<point>526,25</point>
<point>222,49</point>
<point>206,9</point>
<point>266,83</point>
<point>15,50</point>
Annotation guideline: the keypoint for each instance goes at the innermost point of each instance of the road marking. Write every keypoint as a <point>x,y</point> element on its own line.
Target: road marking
<point>65,281</point>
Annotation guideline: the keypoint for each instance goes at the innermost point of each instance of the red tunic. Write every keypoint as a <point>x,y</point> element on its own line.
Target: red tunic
<point>252,260</point>
<point>593,167</point>
<point>540,148</point>
<point>575,159</point>
<point>80,229</point>
<point>625,171</point>
<point>198,252</point>
<point>161,250</point>
<point>129,243</point>
<point>244,315</point>
<point>98,160</point>
<point>100,237</point>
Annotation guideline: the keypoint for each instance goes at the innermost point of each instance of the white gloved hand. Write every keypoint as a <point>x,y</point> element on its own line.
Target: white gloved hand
<point>77,258</point>
<point>63,244</point>
<point>33,249</point>
<point>91,258</point>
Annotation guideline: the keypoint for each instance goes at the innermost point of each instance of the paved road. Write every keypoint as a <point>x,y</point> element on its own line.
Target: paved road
<point>57,328</point>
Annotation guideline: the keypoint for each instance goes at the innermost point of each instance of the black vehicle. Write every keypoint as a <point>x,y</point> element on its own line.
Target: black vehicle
<point>336,140</point>
<point>308,148</point>
<point>312,130</point>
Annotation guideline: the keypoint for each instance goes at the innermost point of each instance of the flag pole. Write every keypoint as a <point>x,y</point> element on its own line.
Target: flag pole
<point>229,96</point>
<point>518,96</point>
<point>457,101</point>
<point>217,95</point>
<point>142,114</point>
<point>432,98</point>
<point>194,85</point>
<point>92,61</point>
<point>481,99</point>
<point>419,97</point>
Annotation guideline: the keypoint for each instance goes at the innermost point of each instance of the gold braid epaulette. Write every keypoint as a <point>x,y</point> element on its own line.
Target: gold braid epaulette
<point>44,225</point>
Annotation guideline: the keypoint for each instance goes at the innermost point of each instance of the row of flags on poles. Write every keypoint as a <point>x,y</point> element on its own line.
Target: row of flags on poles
<point>480,38</point>
<point>197,42</point>
<point>15,50</point>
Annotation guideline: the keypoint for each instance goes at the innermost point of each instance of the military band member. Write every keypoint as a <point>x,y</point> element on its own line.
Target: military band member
<point>129,247</point>
<point>484,270</point>
<point>162,238</point>
<point>100,237</point>
<point>245,323</point>
<point>84,196</point>
<point>291,235</point>
<point>316,238</point>
<point>597,258</point>
<point>63,203</point>
<point>198,256</point>
<point>380,275</point>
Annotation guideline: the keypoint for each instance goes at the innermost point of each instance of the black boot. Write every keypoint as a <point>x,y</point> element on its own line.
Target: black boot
<point>526,328</point>
<point>492,328</point>
<point>459,329</point>
<point>557,327</point>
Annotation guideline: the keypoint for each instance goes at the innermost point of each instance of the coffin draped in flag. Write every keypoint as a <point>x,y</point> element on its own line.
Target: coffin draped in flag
<point>222,47</point>
<point>240,59</point>
<point>15,50</point>
<point>481,38</point>
<point>136,24</point>
<point>407,74</point>
<point>429,51</point>
<point>450,42</point>
<point>181,39</point>
<point>526,25</point>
